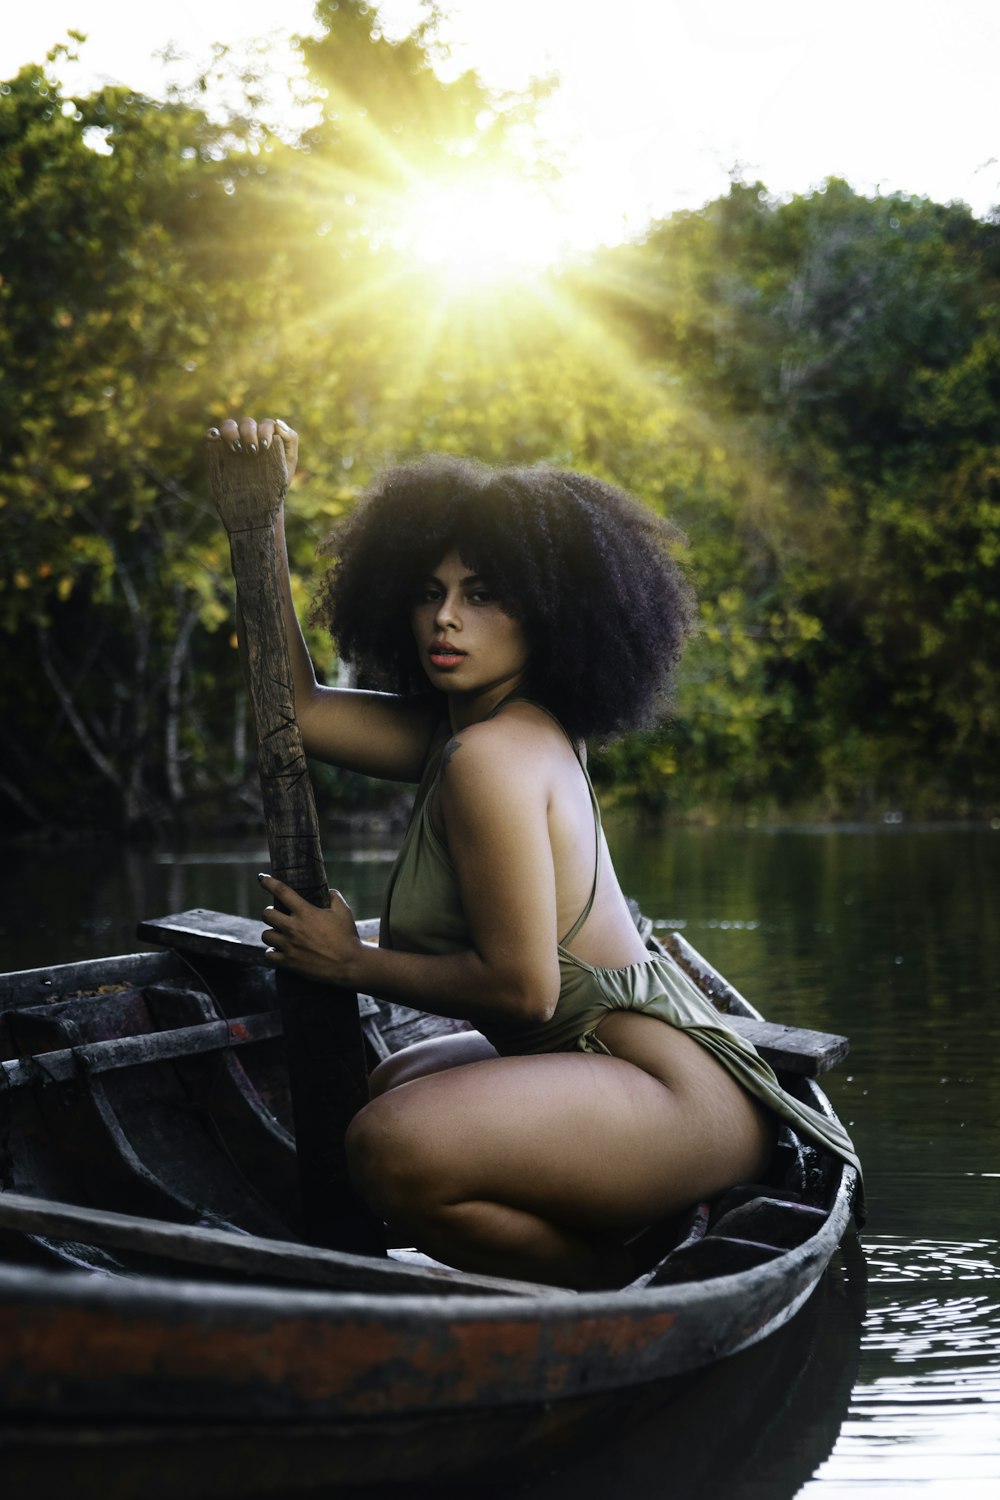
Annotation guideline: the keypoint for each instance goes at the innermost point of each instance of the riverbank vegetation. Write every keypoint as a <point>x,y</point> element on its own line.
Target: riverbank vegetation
<point>809,386</point>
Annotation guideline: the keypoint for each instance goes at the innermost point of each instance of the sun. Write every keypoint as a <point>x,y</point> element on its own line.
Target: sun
<point>481,231</point>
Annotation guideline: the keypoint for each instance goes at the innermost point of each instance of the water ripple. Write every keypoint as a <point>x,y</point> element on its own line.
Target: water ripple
<point>933,1433</point>
<point>893,1258</point>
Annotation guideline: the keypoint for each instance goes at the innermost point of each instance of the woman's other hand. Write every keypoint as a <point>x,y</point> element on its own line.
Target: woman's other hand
<point>251,437</point>
<point>321,943</point>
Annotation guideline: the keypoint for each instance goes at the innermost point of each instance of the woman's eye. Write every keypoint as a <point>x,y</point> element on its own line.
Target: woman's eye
<point>481,596</point>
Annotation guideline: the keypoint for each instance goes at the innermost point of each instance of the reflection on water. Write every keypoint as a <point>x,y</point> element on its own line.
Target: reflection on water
<point>891,936</point>
<point>892,1258</point>
<point>925,1414</point>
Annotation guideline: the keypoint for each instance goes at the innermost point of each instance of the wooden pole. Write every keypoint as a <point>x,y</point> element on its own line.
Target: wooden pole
<point>323,1039</point>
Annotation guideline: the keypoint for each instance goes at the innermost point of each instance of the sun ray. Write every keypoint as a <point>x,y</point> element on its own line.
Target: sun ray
<point>465,270</point>
<point>480,230</point>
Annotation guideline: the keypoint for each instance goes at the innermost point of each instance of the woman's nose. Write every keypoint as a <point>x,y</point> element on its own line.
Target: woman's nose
<point>447,612</point>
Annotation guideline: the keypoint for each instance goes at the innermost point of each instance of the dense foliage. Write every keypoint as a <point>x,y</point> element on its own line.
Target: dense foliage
<point>809,387</point>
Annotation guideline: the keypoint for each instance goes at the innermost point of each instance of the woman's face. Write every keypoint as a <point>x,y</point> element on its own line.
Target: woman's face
<point>468,645</point>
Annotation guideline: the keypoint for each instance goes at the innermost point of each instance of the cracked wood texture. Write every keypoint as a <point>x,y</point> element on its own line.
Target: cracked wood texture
<point>323,1039</point>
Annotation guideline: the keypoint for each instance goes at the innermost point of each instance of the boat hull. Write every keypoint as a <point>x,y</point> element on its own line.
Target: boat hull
<point>162,1339</point>
<point>783,1399</point>
<point>98,1346</point>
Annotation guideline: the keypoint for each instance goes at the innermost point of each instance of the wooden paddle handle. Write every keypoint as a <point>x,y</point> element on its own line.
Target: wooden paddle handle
<point>324,1044</point>
<point>247,489</point>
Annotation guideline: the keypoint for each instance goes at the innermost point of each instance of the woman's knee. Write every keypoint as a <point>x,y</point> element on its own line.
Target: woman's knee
<point>388,1159</point>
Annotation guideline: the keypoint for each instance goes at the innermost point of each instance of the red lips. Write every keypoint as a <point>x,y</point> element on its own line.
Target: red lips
<point>444,654</point>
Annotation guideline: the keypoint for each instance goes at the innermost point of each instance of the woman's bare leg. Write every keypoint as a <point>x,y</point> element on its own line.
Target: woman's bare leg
<point>540,1166</point>
<point>432,1056</point>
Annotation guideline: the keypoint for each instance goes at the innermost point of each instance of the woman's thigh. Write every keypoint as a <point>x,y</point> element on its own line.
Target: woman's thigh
<point>435,1055</point>
<point>589,1142</point>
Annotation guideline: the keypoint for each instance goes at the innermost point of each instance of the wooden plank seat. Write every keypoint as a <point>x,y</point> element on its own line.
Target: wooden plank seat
<point>217,936</point>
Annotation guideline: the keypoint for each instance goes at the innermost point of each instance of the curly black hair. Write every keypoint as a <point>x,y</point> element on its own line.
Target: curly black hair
<point>588,571</point>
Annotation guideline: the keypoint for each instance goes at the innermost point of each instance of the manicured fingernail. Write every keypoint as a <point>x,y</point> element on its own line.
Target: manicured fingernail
<point>261,875</point>
<point>251,447</point>
<point>237,446</point>
<point>263,445</point>
<point>214,432</point>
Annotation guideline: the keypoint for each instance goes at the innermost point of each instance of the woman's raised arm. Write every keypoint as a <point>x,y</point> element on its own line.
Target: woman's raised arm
<point>377,734</point>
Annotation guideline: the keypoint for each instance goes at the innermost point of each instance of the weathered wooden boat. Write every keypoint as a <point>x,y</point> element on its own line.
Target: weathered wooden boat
<point>153,1268</point>
<point>172,1185</point>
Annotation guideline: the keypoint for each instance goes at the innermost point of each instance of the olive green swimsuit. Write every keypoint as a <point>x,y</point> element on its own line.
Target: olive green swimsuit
<point>423,913</point>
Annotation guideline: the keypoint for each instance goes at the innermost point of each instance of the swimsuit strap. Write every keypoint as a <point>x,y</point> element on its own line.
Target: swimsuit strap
<point>588,908</point>
<point>597,853</point>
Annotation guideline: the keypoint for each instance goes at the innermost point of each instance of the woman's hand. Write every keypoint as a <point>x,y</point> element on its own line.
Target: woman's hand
<point>252,437</point>
<point>320,942</point>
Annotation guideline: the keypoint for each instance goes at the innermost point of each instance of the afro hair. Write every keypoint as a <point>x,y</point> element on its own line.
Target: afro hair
<point>588,571</point>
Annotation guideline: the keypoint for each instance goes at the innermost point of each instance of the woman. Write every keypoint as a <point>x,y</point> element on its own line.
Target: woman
<point>514,612</point>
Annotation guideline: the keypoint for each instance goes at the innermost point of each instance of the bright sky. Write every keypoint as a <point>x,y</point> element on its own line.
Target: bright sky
<point>659,99</point>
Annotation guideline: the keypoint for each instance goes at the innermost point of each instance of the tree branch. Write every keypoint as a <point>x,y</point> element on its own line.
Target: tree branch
<point>69,709</point>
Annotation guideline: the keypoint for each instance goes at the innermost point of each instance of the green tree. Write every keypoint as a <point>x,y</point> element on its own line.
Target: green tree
<point>109,317</point>
<point>845,349</point>
<point>808,387</point>
<point>160,268</point>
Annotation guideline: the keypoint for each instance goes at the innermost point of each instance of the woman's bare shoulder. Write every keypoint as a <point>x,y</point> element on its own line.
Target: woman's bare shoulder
<point>520,747</point>
<point>515,727</point>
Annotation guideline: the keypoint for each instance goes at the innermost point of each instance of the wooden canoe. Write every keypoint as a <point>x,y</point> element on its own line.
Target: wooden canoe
<point>152,1265</point>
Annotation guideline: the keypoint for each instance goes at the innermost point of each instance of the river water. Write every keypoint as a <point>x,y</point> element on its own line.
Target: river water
<point>890,935</point>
